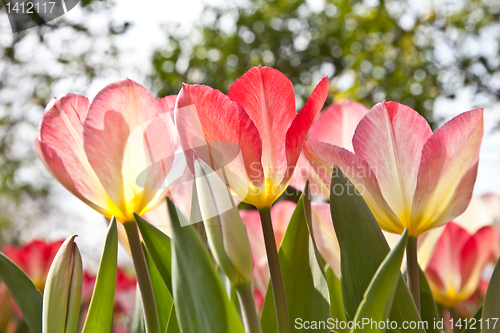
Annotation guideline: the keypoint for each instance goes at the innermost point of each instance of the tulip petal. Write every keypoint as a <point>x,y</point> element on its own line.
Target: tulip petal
<point>337,123</point>
<point>324,234</point>
<point>390,138</point>
<point>324,156</point>
<point>268,98</point>
<point>207,116</point>
<point>119,132</point>
<point>448,171</point>
<point>299,128</point>
<point>60,147</point>
<point>474,256</point>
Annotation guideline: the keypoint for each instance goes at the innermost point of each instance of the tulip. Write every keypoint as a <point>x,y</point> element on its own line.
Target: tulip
<point>63,291</point>
<point>409,177</point>
<point>459,258</point>
<point>227,238</point>
<point>258,115</point>
<point>98,150</point>
<point>255,136</point>
<point>115,155</point>
<point>335,125</point>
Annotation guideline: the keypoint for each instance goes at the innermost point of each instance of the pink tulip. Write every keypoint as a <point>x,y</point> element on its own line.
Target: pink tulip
<point>335,125</point>
<point>409,177</point>
<point>456,265</point>
<point>258,117</point>
<point>114,153</point>
<point>281,214</point>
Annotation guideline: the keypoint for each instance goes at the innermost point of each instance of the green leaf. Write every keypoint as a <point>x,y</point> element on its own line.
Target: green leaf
<point>378,298</point>
<point>138,323</point>
<point>362,249</point>
<point>429,310</point>
<point>491,307</point>
<point>173,325</point>
<point>100,314</point>
<point>303,275</point>
<point>476,325</point>
<point>158,245</point>
<point>336,302</point>
<point>24,293</point>
<point>163,299</point>
<point>200,300</point>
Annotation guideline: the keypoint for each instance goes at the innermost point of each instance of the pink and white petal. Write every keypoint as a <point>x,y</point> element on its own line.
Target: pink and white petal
<point>390,138</point>
<point>303,172</point>
<point>206,116</point>
<point>300,126</point>
<point>337,123</point>
<point>325,237</point>
<point>448,171</point>
<point>474,256</point>
<point>324,156</point>
<point>268,98</point>
<point>281,213</point>
<point>61,145</point>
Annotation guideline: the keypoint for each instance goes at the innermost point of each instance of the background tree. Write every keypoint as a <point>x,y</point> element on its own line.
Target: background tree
<point>372,50</point>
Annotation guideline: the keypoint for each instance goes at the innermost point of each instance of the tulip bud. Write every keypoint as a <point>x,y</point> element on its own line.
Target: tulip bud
<point>226,232</point>
<point>63,290</point>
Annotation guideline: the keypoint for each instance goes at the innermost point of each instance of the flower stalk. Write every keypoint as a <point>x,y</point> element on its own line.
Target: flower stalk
<point>275,271</point>
<point>413,270</point>
<point>248,308</point>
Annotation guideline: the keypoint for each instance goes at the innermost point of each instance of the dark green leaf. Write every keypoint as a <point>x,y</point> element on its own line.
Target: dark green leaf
<point>163,298</point>
<point>429,310</point>
<point>491,308</point>
<point>24,293</point>
<point>474,324</point>
<point>100,315</point>
<point>378,298</point>
<point>200,300</point>
<point>303,275</point>
<point>173,325</point>
<point>362,249</point>
<point>158,245</point>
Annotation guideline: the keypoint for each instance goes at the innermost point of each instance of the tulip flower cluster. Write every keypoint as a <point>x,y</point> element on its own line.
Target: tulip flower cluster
<point>195,187</point>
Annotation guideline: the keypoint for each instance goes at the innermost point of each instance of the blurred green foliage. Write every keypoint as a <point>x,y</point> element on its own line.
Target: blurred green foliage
<point>372,51</point>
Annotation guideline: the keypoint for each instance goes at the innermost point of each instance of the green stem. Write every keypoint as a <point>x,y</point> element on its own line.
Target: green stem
<point>275,270</point>
<point>142,273</point>
<point>248,308</point>
<point>413,270</point>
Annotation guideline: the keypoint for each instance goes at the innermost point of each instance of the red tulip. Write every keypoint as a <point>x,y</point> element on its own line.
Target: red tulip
<point>409,177</point>
<point>34,259</point>
<point>114,153</point>
<point>335,125</point>
<point>457,262</point>
<point>254,132</point>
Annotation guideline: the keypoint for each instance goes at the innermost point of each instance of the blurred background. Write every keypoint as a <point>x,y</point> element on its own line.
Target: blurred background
<point>440,57</point>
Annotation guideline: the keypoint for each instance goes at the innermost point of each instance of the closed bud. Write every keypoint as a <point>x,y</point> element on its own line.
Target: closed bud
<point>63,290</point>
<point>226,232</point>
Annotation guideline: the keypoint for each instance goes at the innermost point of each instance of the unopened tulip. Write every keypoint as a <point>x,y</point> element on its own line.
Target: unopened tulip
<point>459,258</point>
<point>409,177</point>
<point>63,290</point>
<point>226,232</point>
<point>115,153</point>
<point>258,116</point>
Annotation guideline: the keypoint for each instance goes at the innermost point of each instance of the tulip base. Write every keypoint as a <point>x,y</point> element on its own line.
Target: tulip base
<point>413,270</point>
<point>142,273</point>
<point>275,271</point>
